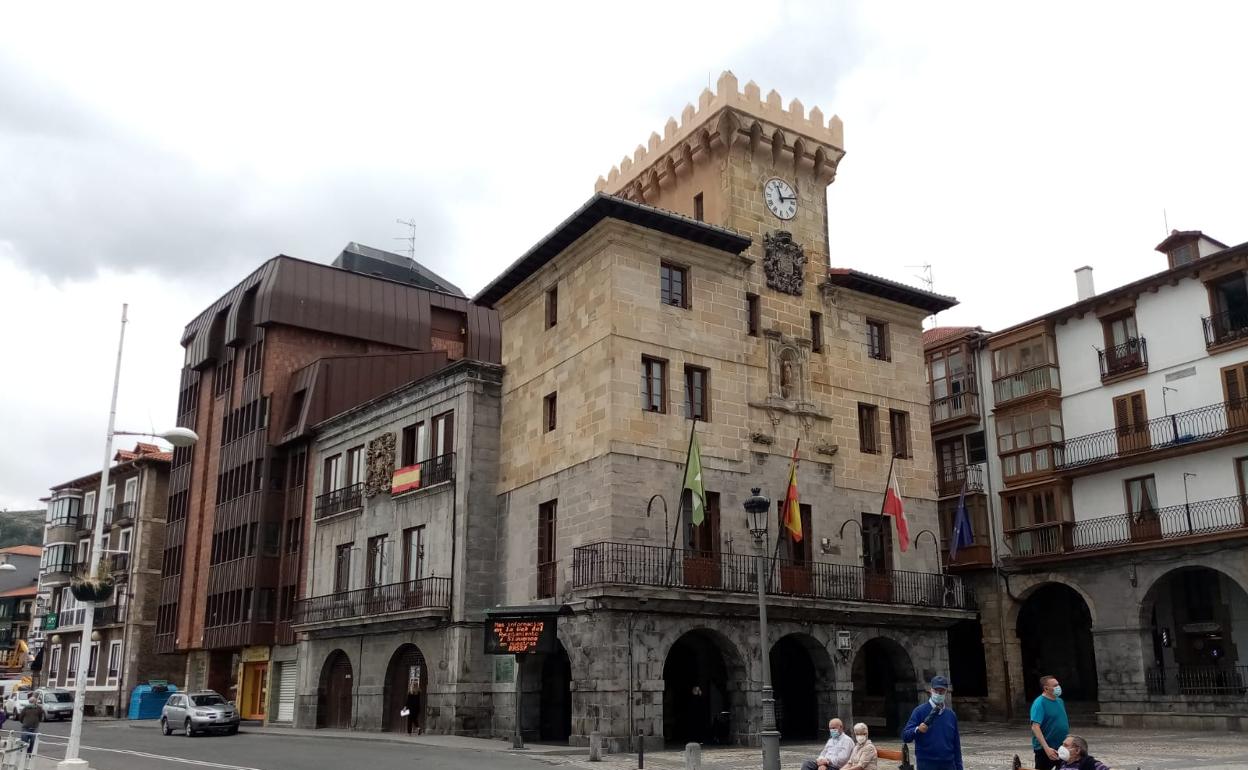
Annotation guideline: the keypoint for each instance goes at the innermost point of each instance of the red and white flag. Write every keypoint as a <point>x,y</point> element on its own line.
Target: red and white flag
<point>893,507</point>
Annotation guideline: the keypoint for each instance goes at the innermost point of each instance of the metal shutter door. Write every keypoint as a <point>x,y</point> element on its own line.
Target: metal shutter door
<point>286,691</point>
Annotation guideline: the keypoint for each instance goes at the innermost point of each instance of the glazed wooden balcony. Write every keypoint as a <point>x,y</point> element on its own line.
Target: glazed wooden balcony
<point>951,410</point>
<point>1038,379</point>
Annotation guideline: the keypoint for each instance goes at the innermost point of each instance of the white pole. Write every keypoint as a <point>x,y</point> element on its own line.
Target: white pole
<point>71,761</point>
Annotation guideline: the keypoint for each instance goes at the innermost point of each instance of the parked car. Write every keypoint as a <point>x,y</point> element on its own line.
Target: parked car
<point>57,704</point>
<point>195,712</point>
<point>15,702</point>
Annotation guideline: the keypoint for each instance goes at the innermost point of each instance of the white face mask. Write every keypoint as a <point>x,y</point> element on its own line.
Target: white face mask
<point>860,738</point>
<point>1063,753</point>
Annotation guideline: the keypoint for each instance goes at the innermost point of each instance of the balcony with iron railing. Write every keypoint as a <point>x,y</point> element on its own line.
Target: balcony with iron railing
<point>1182,429</point>
<point>1174,524</point>
<point>1222,682</point>
<point>1038,379</point>
<point>120,562</point>
<point>86,523</point>
<point>960,406</point>
<point>423,595</point>
<point>110,615</point>
<point>339,501</point>
<point>1225,327</point>
<point>634,565</point>
<point>424,474</point>
<point>123,514</point>
<point>1130,356</point>
<point>950,479</point>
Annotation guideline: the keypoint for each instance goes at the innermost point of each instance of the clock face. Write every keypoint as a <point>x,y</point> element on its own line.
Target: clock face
<point>781,198</point>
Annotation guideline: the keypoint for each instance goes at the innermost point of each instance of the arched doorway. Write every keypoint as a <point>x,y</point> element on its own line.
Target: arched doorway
<point>405,675</point>
<point>333,695</point>
<point>1055,638</point>
<point>885,687</point>
<point>701,690</point>
<point>546,681</point>
<point>801,677</point>
<point>1197,617</point>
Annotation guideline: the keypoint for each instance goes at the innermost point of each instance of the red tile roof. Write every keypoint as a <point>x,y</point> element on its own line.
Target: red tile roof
<point>23,591</point>
<point>941,333</point>
<point>23,550</point>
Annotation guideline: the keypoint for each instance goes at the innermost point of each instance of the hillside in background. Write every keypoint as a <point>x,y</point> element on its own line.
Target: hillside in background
<point>21,528</point>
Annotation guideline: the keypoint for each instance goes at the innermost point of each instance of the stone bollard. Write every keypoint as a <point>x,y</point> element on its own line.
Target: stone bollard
<point>595,747</point>
<point>693,756</point>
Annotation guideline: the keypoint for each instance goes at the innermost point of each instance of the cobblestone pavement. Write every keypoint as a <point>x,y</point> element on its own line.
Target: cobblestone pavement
<point>992,747</point>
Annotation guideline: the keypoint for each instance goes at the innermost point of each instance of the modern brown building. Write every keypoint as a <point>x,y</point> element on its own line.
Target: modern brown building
<point>292,344</point>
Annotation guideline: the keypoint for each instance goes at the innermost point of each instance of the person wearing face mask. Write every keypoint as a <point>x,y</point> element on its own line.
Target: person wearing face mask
<point>1073,755</point>
<point>934,729</point>
<point>835,752</point>
<point>1049,723</point>
<point>863,757</point>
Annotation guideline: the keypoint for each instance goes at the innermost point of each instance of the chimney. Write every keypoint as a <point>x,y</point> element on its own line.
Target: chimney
<point>1083,283</point>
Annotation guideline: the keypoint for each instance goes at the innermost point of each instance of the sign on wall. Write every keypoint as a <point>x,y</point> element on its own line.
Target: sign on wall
<point>520,635</point>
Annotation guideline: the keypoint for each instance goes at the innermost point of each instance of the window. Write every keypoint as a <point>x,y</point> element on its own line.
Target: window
<point>1235,388</point>
<point>131,493</point>
<point>413,553</point>
<point>295,411</point>
<point>950,374</point>
<point>653,384</point>
<point>547,515</point>
<point>71,665</point>
<point>1120,330</point>
<point>699,211</point>
<point>1141,496</point>
<point>342,567</point>
<point>752,314</point>
<point>673,285</point>
<point>552,306</point>
<point>376,561</point>
<point>550,412</point>
<point>702,540</point>
<point>899,429</point>
<point>816,332</point>
<point>413,449</point>
<point>1228,301</point>
<point>93,662</point>
<point>697,393</point>
<point>355,466</point>
<point>868,429</point>
<point>443,434</point>
<point>329,476</point>
<point>1131,421</point>
<point>877,340</point>
<point>88,503</point>
<point>110,498</point>
<point>84,551</point>
<point>975,450</point>
<point>1024,440</point>
<point>54,665</point>
<point>294,534</point>
<point>1181,255</point>
<point>799,553</point>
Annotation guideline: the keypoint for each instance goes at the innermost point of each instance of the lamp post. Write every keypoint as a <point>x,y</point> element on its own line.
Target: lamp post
<point>1187,503</point>
<point>179,437</point>
<point>757,507</point>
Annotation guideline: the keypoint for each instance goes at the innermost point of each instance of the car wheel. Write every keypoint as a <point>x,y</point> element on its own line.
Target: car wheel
<point>187,729</point>
<point>164,727</point>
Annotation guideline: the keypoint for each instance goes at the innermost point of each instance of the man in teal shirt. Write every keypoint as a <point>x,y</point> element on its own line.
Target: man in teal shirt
<point>1049,723</point>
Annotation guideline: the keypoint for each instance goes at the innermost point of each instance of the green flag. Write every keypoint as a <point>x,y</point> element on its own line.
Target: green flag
<point>693,481</point>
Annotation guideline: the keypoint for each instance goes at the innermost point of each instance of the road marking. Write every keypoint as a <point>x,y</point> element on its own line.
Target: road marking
<point>146,755</point>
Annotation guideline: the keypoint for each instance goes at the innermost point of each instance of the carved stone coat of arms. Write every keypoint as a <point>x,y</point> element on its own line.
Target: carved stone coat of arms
<point>784,262</point>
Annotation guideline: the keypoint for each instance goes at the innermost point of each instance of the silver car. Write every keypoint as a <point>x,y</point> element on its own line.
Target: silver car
<point>195,712</point>
<point>14,704</point>
<point>56,704</point>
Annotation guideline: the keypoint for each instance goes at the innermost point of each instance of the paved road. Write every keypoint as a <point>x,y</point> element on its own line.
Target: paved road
<point>119,746</point>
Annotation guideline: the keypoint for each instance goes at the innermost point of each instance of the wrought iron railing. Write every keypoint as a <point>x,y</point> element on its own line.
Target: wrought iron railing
<point>86,523</point>
<point>121,562</point>
<point>109,615</point>
<point>435,470</point>
<point>345,499</point>
<point>1034,380</point>
<point>123,513</point>
<point>1202,424</point>
<point>954,407</point>
<point>1224,681</point>
<point>1227,326</point>
<point>1202,517</point>
<point>950,479</point>
<point>547,578</point>
<point>609,563</point>
<point>425,593</point>
<point>1120,359</point>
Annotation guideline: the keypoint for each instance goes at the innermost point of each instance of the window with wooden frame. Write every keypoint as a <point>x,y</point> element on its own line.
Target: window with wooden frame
<point>1141,494</point>
<point>673,285</point>
<point>699,210</point>
<point>354,466</point>
<point>413,553</point>
<point>801,553</point>
<point>702,540</point>
<point>410,445</point>
<point>552,306</point>
<point>442,435</point>
<point>950,374</point>
<point>1033,507</point>
<point>376,561</point>
<point>653,384</point>
<point>342,567</point>
<point>816,332</point>
<point>877,340</point>
<point>868,428</point>
<point>1228,305</point>
<point>1235,385</point>
<point>753,315</point>
<point>329,473</point>
<point>547,521</point>
<point>1025,440</point>
<point>899,429</point>
<point>550,412</point>
<point>1131,422</point>
<point>697,393</point>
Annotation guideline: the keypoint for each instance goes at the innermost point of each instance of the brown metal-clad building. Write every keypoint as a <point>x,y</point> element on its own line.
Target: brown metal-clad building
<point>292,344</point>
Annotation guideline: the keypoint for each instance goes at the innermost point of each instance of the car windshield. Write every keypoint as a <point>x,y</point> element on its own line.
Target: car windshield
<point>208,700</point>
<point>58,697</point>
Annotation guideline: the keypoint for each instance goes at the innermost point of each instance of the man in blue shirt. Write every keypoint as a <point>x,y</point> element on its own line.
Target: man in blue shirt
<point>934,729</point>
<point>1049,724</point>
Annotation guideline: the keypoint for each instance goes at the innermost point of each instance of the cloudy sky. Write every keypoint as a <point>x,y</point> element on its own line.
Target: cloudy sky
<point>154,155</point>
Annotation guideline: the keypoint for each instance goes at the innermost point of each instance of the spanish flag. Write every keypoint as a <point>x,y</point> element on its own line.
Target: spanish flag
<point>405,479</point>
<point>792,509</point>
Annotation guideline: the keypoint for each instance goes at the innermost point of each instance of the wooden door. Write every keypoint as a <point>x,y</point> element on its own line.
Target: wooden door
<point>255,688</point>
<point>1131,421</point>
<point>795,569</point>
<point>877,557</point>
<point>702,568</point>
<point>951,462</point>
<point>1142,506</point>
<point>1235,390</point>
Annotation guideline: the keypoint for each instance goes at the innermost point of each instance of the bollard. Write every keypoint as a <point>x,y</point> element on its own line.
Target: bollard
<point>595,747</point>
<point>905,758</point>
<point>641,750</point>
<point>693,756</point>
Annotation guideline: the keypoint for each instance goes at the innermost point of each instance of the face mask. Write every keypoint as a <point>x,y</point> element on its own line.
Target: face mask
<point>1063,753</point>
<point>860,738</point>
<point>1057,691</point>
<point>938,699</point>
<point>834,733</point>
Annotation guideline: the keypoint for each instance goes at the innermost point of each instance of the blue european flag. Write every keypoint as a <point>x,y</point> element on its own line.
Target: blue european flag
<point>962,534</point>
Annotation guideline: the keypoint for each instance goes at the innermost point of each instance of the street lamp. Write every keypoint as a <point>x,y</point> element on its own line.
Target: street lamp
<point>179,437</point>
<point>758,509</point>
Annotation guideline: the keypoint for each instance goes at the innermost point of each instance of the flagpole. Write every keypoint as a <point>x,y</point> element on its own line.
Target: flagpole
<point>887,482</point>
<point>775,554</point>
<point>680,502</point>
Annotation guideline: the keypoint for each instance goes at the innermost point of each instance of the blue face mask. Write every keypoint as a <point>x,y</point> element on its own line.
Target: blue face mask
<point>834,733</point>
<point>1057,691</point>
<point>938,699</point>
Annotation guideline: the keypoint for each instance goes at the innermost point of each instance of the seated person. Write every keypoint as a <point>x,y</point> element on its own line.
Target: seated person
<point>835,752</point>
<point>1073,755</point>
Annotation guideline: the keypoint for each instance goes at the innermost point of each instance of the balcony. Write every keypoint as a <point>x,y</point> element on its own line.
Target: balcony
<point>70,618</point>
<point>1175,523</point>
<point>431,593</point>
<point>632,564</point>
<point>1038,379</point>
<point>1226,327</point>
<point>961,406</point>
<point>86,524</point>
<point>1131,356</point>
<point>123,514</point>
<point>21,616</point>
<point>1182,430</point>
<point>339,501</point>
<point>82,566</point>
<point>427,473</point>
<point>1215,681</point>
<point>949,480</point>
<point>111,615</point>
<point>121,562</point>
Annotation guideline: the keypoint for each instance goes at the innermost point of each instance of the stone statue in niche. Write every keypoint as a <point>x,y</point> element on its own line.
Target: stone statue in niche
<point>380,465</point>
<point>784,262</point>
<point>787,384</point>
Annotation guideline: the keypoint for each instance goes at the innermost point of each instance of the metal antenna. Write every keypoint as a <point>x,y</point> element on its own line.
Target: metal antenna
<point>1165,221</point>
<point>410,237</point>
<point>926,279</point>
